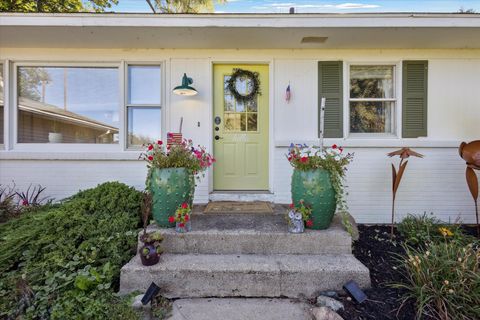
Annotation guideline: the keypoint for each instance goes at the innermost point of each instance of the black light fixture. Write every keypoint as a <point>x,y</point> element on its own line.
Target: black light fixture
<point>152,291</point>
<point>353,289</point>
<point>185,89</point>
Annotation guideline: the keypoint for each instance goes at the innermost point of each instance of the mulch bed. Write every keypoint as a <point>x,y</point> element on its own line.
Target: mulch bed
<point>378,252</point>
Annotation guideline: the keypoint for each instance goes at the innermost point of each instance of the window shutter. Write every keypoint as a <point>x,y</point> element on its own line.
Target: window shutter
<point>414,99</point>
<point>330,86</point>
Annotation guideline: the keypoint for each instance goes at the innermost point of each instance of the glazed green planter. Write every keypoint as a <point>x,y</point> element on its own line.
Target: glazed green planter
<point>170,188</point>
<point>316,190</point>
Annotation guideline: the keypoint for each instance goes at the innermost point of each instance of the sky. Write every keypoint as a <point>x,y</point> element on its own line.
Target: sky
<point>325,6</point>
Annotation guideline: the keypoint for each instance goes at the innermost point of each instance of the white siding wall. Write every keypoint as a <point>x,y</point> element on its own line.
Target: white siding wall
<point>433,184</point>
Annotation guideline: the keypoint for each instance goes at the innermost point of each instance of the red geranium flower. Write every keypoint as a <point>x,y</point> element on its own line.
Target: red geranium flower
<point>304,159</point>
<point>160,142</point>
<point>184,205</point>
<point>341,149</point>
<point>171,219</point>
<point>150,158</point>
<point>150,147</point>
<point>334,146</point>
<point>24,203</point>
<point>187,217</point>
<point>181,224</point>
<point>309,223</point>
<point>292,206</point>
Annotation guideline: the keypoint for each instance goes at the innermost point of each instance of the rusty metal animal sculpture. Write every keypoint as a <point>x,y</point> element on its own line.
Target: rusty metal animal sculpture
<point>404,153</point>
<point>470,152</point>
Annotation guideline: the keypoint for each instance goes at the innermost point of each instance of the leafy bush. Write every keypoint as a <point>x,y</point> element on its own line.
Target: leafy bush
<point>425,229</point>
<point>444,279</point>
<point>64,262</point>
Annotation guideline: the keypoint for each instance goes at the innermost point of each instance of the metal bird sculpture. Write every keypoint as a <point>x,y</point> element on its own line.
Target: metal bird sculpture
<point>470,152</point>
<point>404,153</point>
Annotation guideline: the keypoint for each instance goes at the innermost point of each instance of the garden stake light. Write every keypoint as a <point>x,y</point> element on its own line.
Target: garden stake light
<point>404,153</point>
<point>470,152</point>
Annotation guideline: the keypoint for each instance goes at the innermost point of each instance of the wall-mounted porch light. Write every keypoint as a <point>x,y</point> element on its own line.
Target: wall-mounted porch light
<point>185,89</point>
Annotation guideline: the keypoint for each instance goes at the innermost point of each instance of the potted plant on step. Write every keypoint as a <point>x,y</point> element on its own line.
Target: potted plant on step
<point>182,218</point>
<point>151,250</point>
<point>171,175</point>
<point>317,180</point>
<point>298,217</point>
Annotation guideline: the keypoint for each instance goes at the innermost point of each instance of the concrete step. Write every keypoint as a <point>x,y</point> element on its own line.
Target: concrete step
<point>207,275</point>
<point>253,234</point>
<point>240,309</point>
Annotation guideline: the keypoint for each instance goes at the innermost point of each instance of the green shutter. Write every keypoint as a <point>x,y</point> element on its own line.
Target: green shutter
<point>414,99</point>
<point>330,86</point>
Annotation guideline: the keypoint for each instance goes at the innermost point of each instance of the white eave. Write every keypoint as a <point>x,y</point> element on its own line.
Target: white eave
<point>240,30</point>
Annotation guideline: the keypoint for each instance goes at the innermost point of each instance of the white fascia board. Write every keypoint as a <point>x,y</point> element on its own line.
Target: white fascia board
<point>243,20</point>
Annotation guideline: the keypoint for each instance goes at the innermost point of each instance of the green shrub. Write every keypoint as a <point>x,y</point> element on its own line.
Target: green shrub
<point>444,279</point>
<point>425,229</point>
<point>64,262</point>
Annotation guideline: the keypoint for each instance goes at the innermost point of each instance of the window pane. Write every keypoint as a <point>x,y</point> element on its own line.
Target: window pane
<point>1,104</point>
<point>240,106</point>
<point>252,106</point>
<point>371,117</point>
<point>235,122</point>
<point>252,122</point>
<point>144,85</point>
<point>232,122</point>
<point>144,125</point>
<point>68,105</point>
<point>371,82</point>
<point>229,103</point>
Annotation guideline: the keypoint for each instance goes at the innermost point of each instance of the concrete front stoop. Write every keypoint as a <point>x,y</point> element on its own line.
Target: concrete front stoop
<point>248,255</point>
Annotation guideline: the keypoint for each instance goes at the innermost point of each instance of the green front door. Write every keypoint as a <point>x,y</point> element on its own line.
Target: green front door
<point>240,133</point>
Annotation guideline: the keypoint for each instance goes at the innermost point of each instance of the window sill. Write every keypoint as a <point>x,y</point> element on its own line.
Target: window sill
<point>376,142</point>
<point>71,156</point>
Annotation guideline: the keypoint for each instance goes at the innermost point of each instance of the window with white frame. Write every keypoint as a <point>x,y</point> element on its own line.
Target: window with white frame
<point>68,104</point>
<point>143,104</point>
<point>2,103</point>
<point>372,99</point>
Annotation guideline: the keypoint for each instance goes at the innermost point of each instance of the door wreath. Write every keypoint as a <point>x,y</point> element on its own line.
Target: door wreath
<point>254,85</point>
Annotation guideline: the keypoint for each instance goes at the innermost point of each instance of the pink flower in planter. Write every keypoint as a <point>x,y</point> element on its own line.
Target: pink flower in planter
<point>334,146</point>
<point>150,158</point>
<point>159,142</point>
<point>184,205</point>
<point>181,225</point>
<point>171,219</point>
<point>304,159</point>
<point>187,217</point>
<point>150,147</point>
<point>309,223</point>
<point>292,206</point>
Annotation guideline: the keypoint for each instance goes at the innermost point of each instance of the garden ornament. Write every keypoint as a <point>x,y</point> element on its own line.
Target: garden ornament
<point>470,152</point>
<point>404,153</point>
<point>295,224</point>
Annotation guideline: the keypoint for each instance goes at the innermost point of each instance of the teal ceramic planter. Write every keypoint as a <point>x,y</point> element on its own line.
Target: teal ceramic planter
<point>170,187</point>
<point>316,190</point>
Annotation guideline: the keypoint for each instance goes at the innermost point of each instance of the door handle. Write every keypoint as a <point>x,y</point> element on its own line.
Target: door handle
<point>218,137</point>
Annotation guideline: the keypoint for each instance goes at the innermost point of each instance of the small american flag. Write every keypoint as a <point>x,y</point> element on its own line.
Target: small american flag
<point>288,94</point>
<point>174,138</point>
